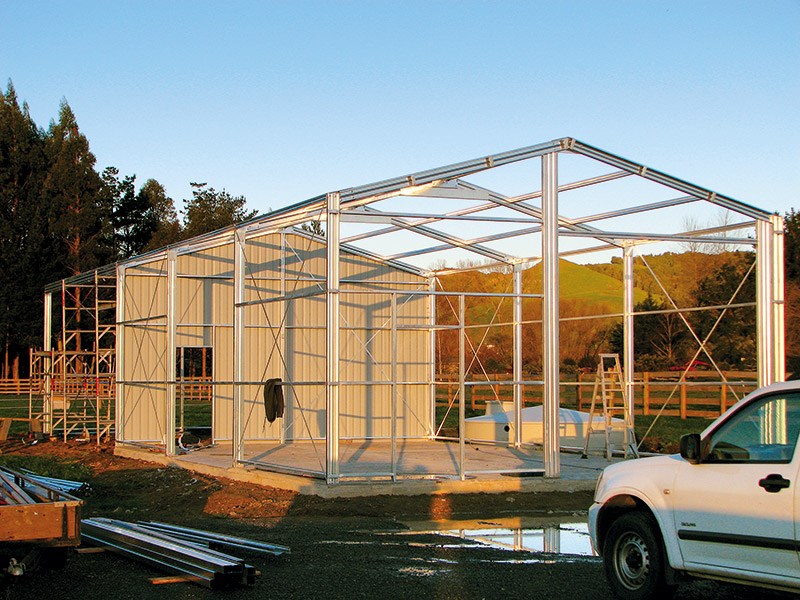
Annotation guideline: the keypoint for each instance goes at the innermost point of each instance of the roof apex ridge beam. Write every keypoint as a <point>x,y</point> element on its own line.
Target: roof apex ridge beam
<point>450,171</point>
<point>662,178</point>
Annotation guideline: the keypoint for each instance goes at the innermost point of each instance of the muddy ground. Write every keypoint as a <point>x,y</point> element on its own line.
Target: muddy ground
<point>341,548</point>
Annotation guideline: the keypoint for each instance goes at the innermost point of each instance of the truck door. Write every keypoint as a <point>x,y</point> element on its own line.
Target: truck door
<point>735,511</point>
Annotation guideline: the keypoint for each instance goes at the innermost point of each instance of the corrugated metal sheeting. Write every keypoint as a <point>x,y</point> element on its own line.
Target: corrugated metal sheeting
<point>284,338</point>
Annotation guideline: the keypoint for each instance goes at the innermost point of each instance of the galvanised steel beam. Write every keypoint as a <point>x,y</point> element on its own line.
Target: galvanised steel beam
<point>655,237</point>
<point>764,322</point>
<point>239,264</point>
<point>662,178</point>
<point>119,410</point>
<point>550,313</point>
<point>169,358</point>
<point>453,171</point>
<point>491,205</point>
<point>778,299</point>
<point>432,355</point>
<point>451,240</point>
<point>517,356</point>
<point>332,341</point>
<point>628,323</point>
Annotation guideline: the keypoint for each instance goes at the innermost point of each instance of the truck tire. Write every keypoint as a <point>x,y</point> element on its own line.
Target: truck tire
<point>634,560</point>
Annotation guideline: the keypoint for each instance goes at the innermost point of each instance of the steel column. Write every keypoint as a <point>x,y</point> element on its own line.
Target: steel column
<point>628,350</point>
<point>394,385</point>
<point>778,300</point>
<point>169,430</point>
<point>764,323</point>
<point>432,357</point>
<point>462,388</point>
<point>332,340</point>
<point>119,411</point>
<point>285,320</point>
<point>47,404</point>
<point>239,261</point>
<point>550,315</point>
<point>64,356</point>
<point>517,364</point>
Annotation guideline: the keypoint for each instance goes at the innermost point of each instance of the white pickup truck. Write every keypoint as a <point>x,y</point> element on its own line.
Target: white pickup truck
<point>726,508</point>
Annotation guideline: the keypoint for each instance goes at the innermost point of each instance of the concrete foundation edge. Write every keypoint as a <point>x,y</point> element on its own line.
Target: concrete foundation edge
<point>412,487</point>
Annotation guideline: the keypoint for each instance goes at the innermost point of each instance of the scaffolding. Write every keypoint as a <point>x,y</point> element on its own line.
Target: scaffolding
<point>356,347</point>
<point>73,383</point>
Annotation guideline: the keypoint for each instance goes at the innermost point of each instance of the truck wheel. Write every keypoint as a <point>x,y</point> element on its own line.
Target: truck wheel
<point>634,559</point>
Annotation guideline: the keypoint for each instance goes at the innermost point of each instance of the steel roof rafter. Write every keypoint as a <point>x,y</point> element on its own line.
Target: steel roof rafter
<point>452,240</point>
<point>488,205</point>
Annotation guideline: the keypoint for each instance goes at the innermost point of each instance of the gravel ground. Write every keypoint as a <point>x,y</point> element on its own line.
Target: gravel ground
<point>351,548</point>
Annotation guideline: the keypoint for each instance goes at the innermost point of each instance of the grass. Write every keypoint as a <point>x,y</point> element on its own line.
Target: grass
<point>47,466</point>
<point>666,434</point>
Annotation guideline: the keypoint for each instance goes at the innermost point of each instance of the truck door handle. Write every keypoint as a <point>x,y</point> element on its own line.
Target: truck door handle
<point>774,483</point>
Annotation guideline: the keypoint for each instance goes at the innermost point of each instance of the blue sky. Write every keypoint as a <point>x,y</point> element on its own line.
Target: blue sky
<point>281,101</point>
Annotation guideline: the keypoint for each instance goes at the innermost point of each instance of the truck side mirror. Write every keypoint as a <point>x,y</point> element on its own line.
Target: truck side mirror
<point>690,448</point>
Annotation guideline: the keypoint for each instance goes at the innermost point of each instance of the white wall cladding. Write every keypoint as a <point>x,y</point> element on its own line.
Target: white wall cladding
<point>284,337</point>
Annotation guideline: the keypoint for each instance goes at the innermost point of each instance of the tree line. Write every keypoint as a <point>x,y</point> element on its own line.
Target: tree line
<point>60,215</point>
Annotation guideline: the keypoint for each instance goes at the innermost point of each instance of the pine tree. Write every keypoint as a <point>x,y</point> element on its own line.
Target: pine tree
<point>80,213</point>
<point>209,210</point>
<point>161,215</point>
<point>24,263</point>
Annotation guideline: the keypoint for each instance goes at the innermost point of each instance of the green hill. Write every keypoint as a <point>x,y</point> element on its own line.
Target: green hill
<point>579,284</point>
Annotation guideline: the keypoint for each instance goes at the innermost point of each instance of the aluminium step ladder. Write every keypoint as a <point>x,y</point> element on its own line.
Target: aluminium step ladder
<point>610,396</point>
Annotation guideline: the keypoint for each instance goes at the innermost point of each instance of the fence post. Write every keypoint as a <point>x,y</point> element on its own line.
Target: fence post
<point>723,399</point>
<point>580,390</point>
<point>683,398</point>
<point>646,393</point>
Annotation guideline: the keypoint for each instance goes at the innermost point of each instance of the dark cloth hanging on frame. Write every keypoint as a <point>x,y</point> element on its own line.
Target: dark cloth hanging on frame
<point>273,399</point>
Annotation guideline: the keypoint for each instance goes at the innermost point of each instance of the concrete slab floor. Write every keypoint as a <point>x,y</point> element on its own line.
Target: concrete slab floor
<point>423,467</point>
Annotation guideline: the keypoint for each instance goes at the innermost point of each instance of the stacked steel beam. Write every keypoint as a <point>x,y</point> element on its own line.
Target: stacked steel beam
<point>212,540</point>
<point>26,488</point>
<point>184,551</point>
<point>62,485</point>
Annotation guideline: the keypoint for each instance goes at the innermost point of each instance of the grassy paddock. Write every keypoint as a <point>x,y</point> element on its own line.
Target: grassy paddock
<point>666,433</point>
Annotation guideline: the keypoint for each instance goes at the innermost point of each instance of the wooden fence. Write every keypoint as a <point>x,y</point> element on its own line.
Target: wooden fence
<point>16,387</point>
<point>699,394</point>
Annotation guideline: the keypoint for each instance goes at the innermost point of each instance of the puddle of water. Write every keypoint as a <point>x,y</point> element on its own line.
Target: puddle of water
<point>568,538</point>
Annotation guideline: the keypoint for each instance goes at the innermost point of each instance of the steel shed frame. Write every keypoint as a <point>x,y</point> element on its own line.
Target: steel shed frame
<point>533,214</point>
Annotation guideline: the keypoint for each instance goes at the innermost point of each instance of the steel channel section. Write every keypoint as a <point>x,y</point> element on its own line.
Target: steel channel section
<point>64,359</point>
<point>491,205</point>
<point>48,362</point>
<point>462,388</point>
<point>170,367</point>
<point>778,298</point>
<point>764,333</point>
<point>394,384</point>
<point>211,569</point>
<point>238,347</point>
<point>119,384</point>
<point>203,536</point>
<point>284,313</point>
<point>332,340</point>
<point>517,365</point>
<point>432,354</point>
<point>657,176</point>
<point>550,315</point>
<point>628,323</point>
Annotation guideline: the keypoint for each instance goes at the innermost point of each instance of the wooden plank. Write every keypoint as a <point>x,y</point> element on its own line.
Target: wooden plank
<point>174,579</point>
<point>90,550</point>
<point>41,522</point>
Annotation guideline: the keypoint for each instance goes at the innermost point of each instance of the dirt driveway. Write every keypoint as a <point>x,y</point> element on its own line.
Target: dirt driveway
<point>343,548</point>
